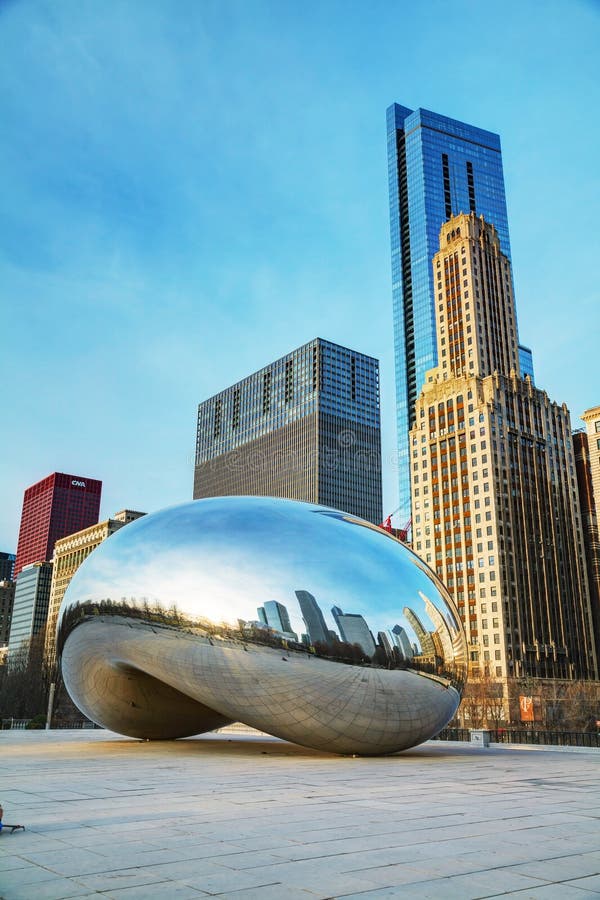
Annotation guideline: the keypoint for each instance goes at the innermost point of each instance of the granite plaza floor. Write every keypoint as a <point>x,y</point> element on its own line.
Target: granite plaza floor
<point>250,817</point>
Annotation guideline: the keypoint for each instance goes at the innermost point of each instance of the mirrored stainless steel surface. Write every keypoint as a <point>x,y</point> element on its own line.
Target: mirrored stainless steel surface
<point>301,621</point>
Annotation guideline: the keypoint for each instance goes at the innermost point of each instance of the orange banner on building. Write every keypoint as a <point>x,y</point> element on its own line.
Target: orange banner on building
<point>526,708</point>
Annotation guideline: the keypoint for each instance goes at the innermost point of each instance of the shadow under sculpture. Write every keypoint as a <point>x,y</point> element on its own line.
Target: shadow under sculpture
<point>298,620</point>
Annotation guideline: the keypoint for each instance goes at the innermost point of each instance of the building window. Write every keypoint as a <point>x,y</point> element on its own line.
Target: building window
<point>446,179</point>
<point>289,382</point>
<point>217,419</point>
<point>235,420</point>
<point>471,186</point>
<point>266,398</point>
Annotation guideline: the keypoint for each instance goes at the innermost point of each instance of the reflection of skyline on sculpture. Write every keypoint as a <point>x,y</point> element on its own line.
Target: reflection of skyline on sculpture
<point>152,577</point>
<point>312,616</point>
<point>441,642</point>
<point>333,606</point>
<point>275,616</point>
<point>354,630</point>
<point>299,620</point>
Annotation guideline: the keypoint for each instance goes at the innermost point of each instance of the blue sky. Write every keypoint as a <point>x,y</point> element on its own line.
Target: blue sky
<point>192,189</point>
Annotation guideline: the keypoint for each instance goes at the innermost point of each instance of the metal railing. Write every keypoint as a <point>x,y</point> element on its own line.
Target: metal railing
<point>497,735</point>
<point>453,734</point>
<point>549,738</point>
<point>527,736</point>
<point>10,723</point>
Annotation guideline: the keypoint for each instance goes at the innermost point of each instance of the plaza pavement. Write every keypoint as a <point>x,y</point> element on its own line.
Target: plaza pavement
<point>247,817</point>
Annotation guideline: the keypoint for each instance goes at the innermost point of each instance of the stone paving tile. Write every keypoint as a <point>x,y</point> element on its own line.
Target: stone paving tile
<point>184,871</point>
<point>592,883</point>
<point>394,873</point>
<point>108,848</point>
<point>480,883</point>
<point>54,889</point>
<point>500,857</point>
<point>121,878</point>
<point>326,885</point>
<point>396,891</point>
<point>23,895</point>
<point>220,882</point>
<point>32,875</point>
<point>551,892</point>
<point>269,892</point>
<point>68,862</point>
<point>460,887</point>
<point>9,863</point>
<point>426,869</point>
<point>261,818</point>
<point>565,868</point>
<point>264,842</point>
<point>248,860</point>
<point>163,890</point>
<point>31,838</point>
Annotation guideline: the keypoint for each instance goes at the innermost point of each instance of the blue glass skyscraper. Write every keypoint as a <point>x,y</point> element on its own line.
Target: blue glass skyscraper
<point>437,167</point>
<point>526,362</point>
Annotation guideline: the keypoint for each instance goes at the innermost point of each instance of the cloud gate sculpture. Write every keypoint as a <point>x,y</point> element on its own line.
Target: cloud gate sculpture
<point>298,620</point>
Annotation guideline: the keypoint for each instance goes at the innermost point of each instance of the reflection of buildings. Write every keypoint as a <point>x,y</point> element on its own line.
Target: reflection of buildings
<point>401,641</point>
<point>424,637</point>
<point>495,502</point>
<point>313,618</point>
<point>305,427</point>
<point>276,616</point>
<point>57,505</point>
<point>453,648</point>
<point>69,553</point>
<point>354,630</point>
<point>384,642</point>
<point>30,608</point>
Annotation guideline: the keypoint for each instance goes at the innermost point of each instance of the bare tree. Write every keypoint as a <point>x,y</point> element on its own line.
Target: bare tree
<point>558,705</point>
<point>24,682</point>
<point>484,703</point>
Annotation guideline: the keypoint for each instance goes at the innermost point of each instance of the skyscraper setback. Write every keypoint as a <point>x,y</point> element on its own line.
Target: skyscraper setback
<point>437,167</point>
<point>495,504</point>
<point>54,507</point>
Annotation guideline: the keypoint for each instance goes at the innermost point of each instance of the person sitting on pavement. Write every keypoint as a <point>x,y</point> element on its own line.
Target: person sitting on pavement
<point>6,825</point>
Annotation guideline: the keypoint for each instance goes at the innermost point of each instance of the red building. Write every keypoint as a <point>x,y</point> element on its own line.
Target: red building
<point>53,508</point>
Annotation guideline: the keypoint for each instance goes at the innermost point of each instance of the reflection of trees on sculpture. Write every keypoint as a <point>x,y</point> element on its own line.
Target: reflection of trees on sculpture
<point>438,653</point>
<point>258,634</point>
<point>341,651</point>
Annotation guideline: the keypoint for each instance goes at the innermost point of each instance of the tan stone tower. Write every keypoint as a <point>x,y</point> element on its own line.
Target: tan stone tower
<point>495,506</point>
